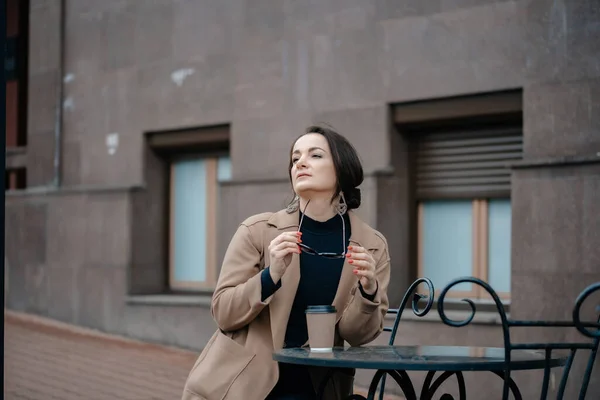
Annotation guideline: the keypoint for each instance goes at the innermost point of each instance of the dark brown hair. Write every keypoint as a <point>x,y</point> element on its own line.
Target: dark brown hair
<point>348,168</point>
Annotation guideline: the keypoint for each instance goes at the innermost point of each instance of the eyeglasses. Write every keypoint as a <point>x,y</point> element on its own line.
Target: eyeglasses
<point>310,250</point>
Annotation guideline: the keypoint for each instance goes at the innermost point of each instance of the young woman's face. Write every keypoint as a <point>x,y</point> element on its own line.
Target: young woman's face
<point>312,166</point>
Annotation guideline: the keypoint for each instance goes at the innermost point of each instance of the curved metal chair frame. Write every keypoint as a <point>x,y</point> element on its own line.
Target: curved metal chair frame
<point>590,330</point>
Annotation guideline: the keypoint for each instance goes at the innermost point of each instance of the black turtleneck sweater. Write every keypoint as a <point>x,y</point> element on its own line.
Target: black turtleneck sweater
<point>319,279</point>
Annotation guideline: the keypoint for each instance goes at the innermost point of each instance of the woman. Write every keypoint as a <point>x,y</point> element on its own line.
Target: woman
<point>315,252</point>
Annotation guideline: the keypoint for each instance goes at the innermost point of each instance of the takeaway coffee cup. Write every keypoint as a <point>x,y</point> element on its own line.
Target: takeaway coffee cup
<point>320,321</point>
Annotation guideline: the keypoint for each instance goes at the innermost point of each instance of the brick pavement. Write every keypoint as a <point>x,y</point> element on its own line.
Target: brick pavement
<point>54,361</point>
<point>49,360</point>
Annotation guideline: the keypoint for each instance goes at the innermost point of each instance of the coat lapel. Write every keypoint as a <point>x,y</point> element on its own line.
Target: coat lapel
<point>281,304</point>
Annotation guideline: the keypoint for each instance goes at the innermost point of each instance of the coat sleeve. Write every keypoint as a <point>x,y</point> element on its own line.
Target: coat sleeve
<point>362,320</point>
<point>237,297</point>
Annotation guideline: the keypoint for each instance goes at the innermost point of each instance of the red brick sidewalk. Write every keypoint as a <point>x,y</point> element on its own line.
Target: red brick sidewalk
<point>48,360</point>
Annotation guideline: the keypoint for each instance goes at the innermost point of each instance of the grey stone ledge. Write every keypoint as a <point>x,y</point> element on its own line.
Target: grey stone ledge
<point>557,161</point>
<point>62,190</point>
<point>51,190</point>
<point>185,300</point>
<point>10,151</point>
<point>204,299</point>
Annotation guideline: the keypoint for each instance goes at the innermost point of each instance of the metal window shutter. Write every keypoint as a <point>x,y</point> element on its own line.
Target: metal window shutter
<point>467,164</point>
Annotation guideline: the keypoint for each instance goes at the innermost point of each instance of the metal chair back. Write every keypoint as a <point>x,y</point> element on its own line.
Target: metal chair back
<point>589,330</point>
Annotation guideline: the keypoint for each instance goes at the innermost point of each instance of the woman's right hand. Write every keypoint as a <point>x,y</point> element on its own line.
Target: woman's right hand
<point>280,251</point>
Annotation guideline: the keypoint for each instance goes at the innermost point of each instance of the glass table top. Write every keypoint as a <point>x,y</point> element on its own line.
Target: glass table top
<point>420,358</point>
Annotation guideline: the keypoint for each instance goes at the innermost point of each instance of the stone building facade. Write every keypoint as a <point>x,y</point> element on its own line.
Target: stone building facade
<point>128,102</point>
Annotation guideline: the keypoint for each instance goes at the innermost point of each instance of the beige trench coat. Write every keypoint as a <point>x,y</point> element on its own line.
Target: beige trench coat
<point>237,362</point>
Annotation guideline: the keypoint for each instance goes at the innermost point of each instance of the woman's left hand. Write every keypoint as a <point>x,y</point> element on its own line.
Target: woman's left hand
<point>364,267</point>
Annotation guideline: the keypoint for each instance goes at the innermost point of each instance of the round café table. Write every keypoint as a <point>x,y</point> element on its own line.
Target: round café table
<point>397,360</point>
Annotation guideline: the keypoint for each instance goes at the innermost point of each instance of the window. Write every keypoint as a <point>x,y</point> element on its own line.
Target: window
<point>186,169</point>
<point>466,238</point>
<point>194,199</point>
<point>175,218</point>
<point>460,153</point>
<point>463,205</point>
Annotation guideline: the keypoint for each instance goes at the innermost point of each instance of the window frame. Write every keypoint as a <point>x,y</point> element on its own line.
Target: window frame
<point>212,213</point>
<point>150,271</point>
